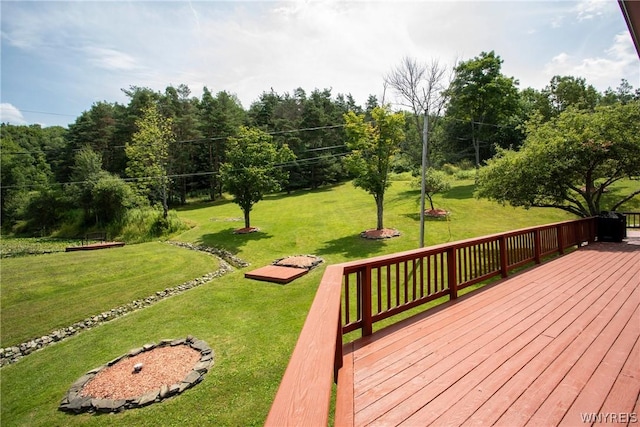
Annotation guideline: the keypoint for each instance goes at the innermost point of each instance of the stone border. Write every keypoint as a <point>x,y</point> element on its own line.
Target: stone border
<point>74,402</point>
<point>220,253</point>
<point>12,354</point>
<point>282,262</point>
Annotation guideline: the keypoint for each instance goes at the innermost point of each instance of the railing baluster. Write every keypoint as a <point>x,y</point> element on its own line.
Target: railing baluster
<point>367,324</point>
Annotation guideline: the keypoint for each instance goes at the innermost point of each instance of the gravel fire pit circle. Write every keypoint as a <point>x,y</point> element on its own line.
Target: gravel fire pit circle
<point>141,377</point>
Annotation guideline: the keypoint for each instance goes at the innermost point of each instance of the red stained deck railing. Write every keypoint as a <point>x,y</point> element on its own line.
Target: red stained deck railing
<point>355,295</point>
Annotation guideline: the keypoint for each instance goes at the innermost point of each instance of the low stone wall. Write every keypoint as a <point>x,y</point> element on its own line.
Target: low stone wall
<point>12,354</point>
<point>75,402</point>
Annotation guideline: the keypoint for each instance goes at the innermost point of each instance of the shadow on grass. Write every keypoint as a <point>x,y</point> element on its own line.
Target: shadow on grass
<point>416,217</point>
<point>301,192</point>
<point>352,247</point>
<point>201,205</point>
<point>460,192</point>
<point>226,239</point>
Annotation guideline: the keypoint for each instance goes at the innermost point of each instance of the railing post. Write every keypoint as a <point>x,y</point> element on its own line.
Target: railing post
<point>537,243</point>
<point>504,259</point>
<point>560,233</point>
<point>367,324</point>
<point>452,273</point>
<point>338,357</point>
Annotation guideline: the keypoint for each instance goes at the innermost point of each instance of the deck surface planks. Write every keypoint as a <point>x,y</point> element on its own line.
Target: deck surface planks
<point>539,348</point>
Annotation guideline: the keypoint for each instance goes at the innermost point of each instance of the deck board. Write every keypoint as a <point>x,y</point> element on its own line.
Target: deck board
<point>539,348</point>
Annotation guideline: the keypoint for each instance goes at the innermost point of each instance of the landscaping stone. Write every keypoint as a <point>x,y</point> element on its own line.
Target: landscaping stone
<point>73,401</point>
<point>227,260</point>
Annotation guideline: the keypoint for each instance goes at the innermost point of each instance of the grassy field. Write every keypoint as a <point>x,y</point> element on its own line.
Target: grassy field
<point>252,326</point>
<point>45,292</point>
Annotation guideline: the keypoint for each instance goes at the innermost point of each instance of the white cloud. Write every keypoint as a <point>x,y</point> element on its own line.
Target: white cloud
<point>10,114</point>
<point>590,9</point>
<point>110,59</point>
<point>606,70</point>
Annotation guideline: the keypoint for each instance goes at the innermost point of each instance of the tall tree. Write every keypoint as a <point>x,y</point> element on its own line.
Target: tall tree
<point>419,87</point>
<point>569,162</point>
<point>373,146</point>
<point>253,168</point>
<point>148,156</point>
<point>481,100</point>
<point>177,105</point>
<point>220,117</point>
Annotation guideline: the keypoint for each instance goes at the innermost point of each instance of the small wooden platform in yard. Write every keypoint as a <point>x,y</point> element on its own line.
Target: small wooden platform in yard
<point>276,274</point>
<point>550,346</point>
<point>94,246</point>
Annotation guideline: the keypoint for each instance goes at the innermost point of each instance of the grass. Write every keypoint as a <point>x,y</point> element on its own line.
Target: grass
<point>40,294</point>
<point>251,326</point>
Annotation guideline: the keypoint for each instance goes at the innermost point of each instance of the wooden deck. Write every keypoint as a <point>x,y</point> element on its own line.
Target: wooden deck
<point>549,346</point>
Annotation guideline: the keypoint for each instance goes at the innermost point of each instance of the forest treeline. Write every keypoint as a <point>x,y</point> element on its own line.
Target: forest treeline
<point>48,172</point>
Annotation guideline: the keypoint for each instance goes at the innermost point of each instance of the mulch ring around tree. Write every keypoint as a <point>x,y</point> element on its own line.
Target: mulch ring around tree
<point>385,233</point>
<point>246,230</point>
<point>143,376</point>
<point>307,262</point>
<point>436,213</point>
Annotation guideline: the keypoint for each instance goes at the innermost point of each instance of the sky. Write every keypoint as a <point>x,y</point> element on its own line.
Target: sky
<point>58,58</point>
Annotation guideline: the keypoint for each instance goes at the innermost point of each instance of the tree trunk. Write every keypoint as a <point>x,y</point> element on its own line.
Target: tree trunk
<point>379,205</point>
<point>246,218</point>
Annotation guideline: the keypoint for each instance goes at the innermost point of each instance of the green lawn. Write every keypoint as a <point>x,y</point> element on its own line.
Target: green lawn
<point>251,326</point>
<point>45,292</point>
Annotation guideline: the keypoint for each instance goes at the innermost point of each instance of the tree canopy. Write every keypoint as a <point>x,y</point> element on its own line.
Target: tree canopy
<point>253,168</point>
<point>373,144</point>
<point>569,162</point>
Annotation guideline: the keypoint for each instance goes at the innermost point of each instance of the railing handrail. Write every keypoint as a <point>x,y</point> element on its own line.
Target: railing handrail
<point>304,395</point>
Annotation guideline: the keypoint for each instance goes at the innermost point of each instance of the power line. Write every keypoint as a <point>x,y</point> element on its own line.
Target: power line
<point>291,163</point>
<point>206,139</point>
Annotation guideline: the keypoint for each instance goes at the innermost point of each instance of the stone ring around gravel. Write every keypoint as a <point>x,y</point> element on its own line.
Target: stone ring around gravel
<point>141,377</point>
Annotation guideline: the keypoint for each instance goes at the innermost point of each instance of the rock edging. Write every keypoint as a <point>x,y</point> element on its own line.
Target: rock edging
<point>73,401</point>
<point>12,354</point>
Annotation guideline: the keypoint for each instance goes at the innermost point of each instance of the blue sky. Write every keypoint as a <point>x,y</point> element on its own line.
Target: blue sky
<point>58,58</point>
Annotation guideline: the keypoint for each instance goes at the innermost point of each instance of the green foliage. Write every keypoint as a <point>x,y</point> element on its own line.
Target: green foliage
<point>144,224</point>
<point>436,181</point>
<point>252,168</point>
<point>111,197</point>
<point>569,162</point>
<point>148,156</point>
<point>373,146</point>
<point>483,111</point>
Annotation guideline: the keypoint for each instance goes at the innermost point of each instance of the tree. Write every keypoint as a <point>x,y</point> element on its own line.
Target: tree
<point>86,171</point>
<point>373,146</point>
<point>420,87</point>
<point>569,162</point>
<point>148,156</point>
<point>435,182</point>
<point>253,168</point>
<point>111,198</point>
<point>481,101</point>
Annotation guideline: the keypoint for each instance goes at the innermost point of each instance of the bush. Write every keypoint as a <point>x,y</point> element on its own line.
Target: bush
<point>145,224</point>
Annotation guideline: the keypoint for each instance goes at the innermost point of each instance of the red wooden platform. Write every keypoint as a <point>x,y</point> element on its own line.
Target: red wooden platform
<point>94,246</point>
<point>549,346</point>
<point>276,274</point>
